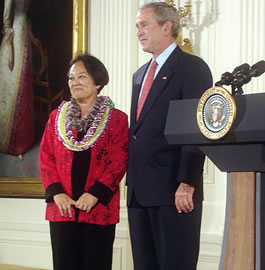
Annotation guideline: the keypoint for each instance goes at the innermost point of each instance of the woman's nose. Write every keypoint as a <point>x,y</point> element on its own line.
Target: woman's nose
<point>75,81</point>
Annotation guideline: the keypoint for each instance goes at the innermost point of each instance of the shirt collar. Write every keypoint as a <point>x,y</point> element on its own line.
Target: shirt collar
<point>162,58</point>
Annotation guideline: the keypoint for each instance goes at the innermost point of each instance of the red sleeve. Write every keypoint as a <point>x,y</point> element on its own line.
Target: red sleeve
<point>117,158</point>
<point>48,171</point>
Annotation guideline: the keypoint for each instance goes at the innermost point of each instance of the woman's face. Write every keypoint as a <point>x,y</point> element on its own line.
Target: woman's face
<point>81,84</point>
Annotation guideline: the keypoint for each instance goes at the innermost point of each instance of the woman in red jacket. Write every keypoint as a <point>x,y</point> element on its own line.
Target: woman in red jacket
<point>83,157</point>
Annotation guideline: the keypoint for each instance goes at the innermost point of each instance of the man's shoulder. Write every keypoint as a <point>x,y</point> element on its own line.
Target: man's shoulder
<point>142,68</point>
<point>191,58</point>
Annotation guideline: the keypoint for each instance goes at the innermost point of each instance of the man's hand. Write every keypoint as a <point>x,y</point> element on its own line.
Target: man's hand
<point>64,203</point>
<point>86,202</point>
<point>183,198</point>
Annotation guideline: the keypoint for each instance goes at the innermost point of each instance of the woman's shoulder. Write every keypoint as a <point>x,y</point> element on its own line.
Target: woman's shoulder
<point>119,114</point>
<point>56,111</point>
<point>118,119</point>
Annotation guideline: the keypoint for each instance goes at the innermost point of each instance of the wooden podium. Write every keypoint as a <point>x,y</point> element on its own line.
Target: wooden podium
<point>242,155</point>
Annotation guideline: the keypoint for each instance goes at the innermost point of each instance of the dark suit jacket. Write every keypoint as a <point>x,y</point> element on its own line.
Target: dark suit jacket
<point>155,168</point>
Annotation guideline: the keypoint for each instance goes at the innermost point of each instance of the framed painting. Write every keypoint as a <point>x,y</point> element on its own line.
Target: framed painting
<point>19,176</point>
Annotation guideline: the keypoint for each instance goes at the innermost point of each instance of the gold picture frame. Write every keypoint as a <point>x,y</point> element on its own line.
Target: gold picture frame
<point>32,187</point>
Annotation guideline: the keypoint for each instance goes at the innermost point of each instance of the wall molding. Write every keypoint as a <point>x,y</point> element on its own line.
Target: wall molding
<point>210,243</point>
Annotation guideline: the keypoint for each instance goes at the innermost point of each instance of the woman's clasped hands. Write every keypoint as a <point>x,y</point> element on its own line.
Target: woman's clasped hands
<point>64,202</point>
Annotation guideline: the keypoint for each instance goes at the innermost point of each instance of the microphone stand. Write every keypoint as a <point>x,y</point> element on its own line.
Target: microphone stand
<point>237,90</point>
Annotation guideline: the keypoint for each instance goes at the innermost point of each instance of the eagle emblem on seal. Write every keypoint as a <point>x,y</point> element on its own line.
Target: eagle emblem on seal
<point>216,113</point>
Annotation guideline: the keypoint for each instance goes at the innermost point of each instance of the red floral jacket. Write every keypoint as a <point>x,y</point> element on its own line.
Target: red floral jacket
<point>108,165</point>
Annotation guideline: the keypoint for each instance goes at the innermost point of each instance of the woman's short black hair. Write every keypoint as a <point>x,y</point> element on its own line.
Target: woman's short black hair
<point>94,67</point>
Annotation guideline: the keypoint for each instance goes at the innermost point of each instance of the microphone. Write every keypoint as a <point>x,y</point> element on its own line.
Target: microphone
<point>255,71</point>
<point>228,77</point>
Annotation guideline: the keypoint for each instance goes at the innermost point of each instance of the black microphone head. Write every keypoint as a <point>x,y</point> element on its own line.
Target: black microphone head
<point>227,75</point>
<point>226,78</point>
<point>242,67</point>
<point>258,69</point>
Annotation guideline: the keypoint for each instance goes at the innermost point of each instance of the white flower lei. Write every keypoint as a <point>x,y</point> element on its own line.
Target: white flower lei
<point>67,121</point>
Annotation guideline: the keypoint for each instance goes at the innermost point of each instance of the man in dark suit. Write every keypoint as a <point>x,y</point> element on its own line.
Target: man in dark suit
<point>165,188</point>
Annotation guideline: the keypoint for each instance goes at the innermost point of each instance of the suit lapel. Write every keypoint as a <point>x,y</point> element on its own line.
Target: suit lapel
<point>138,79</point>
<point>158,85</point>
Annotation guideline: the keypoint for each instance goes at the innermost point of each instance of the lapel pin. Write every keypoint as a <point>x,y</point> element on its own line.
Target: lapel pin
<point>164,78</point>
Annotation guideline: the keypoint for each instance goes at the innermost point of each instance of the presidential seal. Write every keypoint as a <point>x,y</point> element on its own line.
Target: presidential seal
<point>216,113</point>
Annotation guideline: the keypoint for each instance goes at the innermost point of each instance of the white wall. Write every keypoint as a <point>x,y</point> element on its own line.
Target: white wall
<point>225,34</point>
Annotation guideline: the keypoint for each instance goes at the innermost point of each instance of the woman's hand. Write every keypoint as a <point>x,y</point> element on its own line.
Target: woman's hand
<point>64,203</point>
<point>86,202</point>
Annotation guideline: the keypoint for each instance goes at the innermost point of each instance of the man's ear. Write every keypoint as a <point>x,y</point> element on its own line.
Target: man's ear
<point>167,28</point>
<point>98,86</point>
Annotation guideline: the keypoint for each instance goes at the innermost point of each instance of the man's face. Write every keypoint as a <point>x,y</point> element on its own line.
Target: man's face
<point>149,32</point>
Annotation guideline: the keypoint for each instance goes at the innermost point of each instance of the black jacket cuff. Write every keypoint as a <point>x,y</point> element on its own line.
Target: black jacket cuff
<point>102,192</point>
<point>52,190</point>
